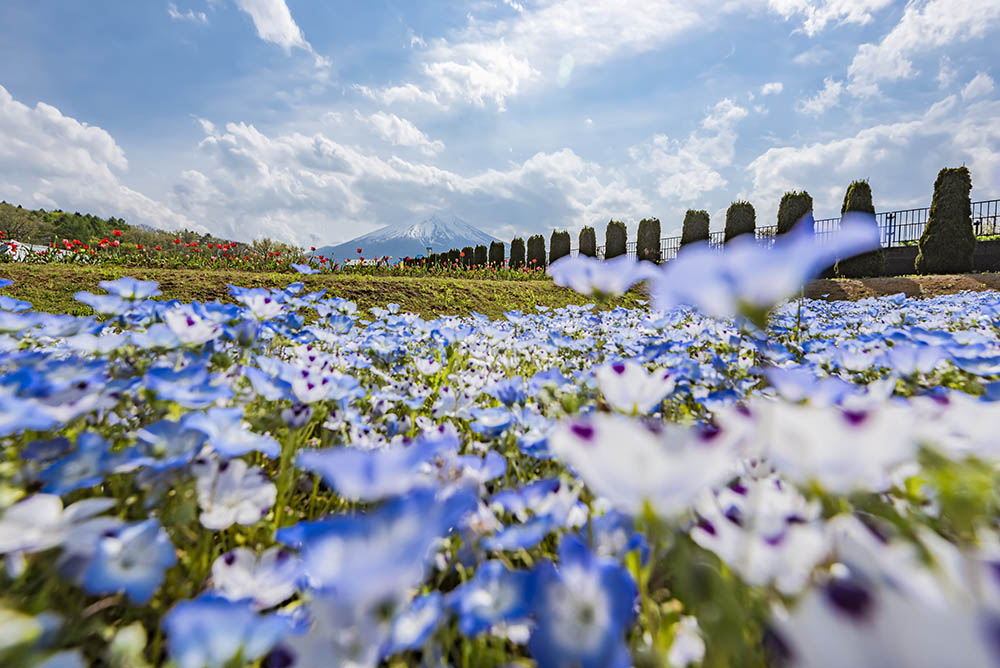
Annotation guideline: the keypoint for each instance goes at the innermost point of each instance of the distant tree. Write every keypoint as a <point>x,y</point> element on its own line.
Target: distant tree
<point>949,240</point>
<point>558,245</point>
<point>859,198</point>
<point>517,254</point>
<point>615,239</point>
<point>793,207</point>
<point>536,251</point>
<point>588,242</point>
<point>479,255</point>
<point>695,227</point>
<point>467,256</point>
<point>647,240</point>
<point>740,219</point>
<point>496,254</point>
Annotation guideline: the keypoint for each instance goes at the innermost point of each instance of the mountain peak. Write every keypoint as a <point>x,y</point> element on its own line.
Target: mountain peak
<point>437,232</point>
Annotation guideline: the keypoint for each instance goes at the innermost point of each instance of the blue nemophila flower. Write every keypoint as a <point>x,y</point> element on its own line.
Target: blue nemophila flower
<point>370,475</point>
<point>130,288</point>
<point>190,387</point>
<point>103,304</point>
<point>86,466</point>
<point>490,422</point>
<point>582,609</point>
<point>167,444</point>
<point>509,391</point>
<point>17,414</point>
<point>261,303</point>
<point>495,594</point>
<point>14,305</point>
<point>228,434</point>
<point>132,560</point>
<point>628,387</point>
<point>40,522</point>
<point>189,326</point>
<point>377,556</point>
<point>267,579</point>
<point>622,460</point>
<point>412,627</point>
<point>157,335</point>
<point>232,492</point>
<point>521,536</point>
<point>304,268</point>
<point>266,385</point>
<point>590,276</point>
<point>750,279</point>
<point>210,632</point>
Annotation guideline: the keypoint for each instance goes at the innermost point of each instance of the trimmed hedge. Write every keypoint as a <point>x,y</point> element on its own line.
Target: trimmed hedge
<point>740,219</point>
<point>453,256</point>
<point>536,251</point>
<point>467,256</point>
<point>948,242</point>
<point>496,254</point>
<point>588,242</point>
<point>647,241</point>
<point>793,206</point>
<point>695,227</point>
<point>615,239</point>
<point>480,256</point>
<point>859,198</point>
<point>517,253</point>
<point>558,245</point>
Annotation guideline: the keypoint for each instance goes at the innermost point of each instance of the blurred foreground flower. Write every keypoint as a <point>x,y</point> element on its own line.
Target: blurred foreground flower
<point>603,278</point>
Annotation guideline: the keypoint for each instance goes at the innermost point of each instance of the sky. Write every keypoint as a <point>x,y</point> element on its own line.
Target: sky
<point>313,122</point>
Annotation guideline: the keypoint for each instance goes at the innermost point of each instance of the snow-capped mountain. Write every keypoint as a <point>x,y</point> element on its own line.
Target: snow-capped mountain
<point>437,233</point>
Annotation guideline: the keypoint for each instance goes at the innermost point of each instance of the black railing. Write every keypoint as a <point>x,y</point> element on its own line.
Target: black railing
<point>896,228</point>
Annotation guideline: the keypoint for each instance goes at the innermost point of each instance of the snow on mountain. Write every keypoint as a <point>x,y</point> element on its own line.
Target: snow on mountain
<point>437,233</point>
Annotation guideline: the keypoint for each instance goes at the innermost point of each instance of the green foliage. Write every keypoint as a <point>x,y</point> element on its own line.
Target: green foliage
<point>859,198</point>
<point>517,253</point>
<point>615,239</point>
<point>695,227</point>
<point>536,251</point>
<point>496,254</point>
<point>794,205</point>
<point>740,219</point>
<point>588,242</point>
<point>948,241</point>
<point>453,256</point>
<point>479,255</point>
<point>467,256</point>
<point>558,245</point>
<point>647,244</point>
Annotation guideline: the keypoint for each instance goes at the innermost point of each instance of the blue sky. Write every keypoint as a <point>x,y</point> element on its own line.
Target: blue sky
<point>314,122</point>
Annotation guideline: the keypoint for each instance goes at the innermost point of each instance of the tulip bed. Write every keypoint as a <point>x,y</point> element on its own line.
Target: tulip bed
<point>797,483</point>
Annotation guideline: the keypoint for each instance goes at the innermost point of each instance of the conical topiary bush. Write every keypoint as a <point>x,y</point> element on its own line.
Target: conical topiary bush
<point>740,219</point>
<point>588,242</point>
<point>615,239</point>
<point>948,242</point>
<point>695,227</point>
<point>794,205</point>
<point>859,198</point>
<point>647,240</point>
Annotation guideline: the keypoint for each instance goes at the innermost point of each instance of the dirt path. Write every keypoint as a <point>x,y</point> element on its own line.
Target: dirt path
<point>913,286</point>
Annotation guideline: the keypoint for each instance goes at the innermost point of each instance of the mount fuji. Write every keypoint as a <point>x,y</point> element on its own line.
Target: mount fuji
<point>437,233</point>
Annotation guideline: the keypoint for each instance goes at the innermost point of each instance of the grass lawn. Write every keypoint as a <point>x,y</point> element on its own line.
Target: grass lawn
<point>51,288</point>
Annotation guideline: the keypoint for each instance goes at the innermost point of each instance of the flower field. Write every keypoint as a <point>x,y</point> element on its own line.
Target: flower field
<point>725,478</point>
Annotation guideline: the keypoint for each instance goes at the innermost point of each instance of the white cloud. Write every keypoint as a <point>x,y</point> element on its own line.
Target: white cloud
<point>980,85</point>
<point>312,190</point>
<point>400,132</point>
<point>823,100</point>
<point>946,73</point>
<point>924,27</point>
<point>407,93</point>
<point>189,15</point>
<point>901,159</point>
<point>772,88</point>
<point>813,56</point>
<point>72,165</point>
<point>275,24</point>
<point>685,170</point>
<point>491,61</point>
<point>818,13</point>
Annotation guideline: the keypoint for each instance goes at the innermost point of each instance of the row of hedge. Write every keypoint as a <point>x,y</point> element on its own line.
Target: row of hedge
<point>946,245</point>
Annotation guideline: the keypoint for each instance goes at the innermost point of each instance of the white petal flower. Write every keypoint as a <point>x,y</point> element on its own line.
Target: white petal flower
<point>230,492</point>
<point>628,387</point>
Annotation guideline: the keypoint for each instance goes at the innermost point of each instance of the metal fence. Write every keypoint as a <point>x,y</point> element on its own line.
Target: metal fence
<point>896,228</point>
